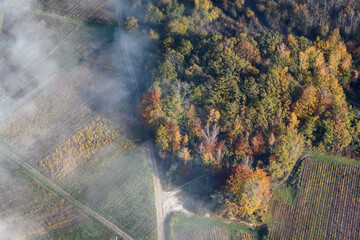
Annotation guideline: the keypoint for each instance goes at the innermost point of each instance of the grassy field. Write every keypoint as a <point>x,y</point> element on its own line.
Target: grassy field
<point>335,160</point>
<point>89,230</point>
<point>326,205</point>
<point>202,228</point>
<point>64,128</point>
<point>123,183</point>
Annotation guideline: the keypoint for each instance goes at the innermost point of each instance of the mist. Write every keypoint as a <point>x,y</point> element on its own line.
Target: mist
<point>59,73</point>
<point>71,81</point>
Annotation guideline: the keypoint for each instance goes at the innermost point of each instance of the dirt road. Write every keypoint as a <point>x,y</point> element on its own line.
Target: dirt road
<point>14,158</point>
<point>155,172</point>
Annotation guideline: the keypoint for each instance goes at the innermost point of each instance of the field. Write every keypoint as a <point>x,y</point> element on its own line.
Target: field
<point>39,213</point>
<point>326,206</point>
<point>79,148</point>
<point>201,228</point>
<point>60,119</point>
<point>47,107</point>
<point>123,183</point>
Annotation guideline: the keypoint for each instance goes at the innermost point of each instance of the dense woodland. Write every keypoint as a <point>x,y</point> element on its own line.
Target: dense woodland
<point>247,87</point>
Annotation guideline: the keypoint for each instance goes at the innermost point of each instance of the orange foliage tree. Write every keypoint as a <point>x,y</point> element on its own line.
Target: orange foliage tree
<point>151,108</point>
<point>194,123</point>
<point>258,144</point>
<point>174,136</point>
<point>248,192</point>
<point>242,147</point>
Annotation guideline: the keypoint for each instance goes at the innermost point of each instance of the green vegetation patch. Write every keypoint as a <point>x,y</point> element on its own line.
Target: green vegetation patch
<point>285,193</point>
<point>335,159</point>
<point>196,227</point>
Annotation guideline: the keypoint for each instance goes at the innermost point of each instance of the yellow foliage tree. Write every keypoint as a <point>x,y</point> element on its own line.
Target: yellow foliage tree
<point>249,192</point>
<point>203,4</point>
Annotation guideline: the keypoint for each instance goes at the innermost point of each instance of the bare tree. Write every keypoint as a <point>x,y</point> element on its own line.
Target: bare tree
<point>248,161</point>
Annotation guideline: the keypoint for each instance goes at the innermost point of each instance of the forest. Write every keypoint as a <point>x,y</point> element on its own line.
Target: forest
<point>246,88</point>
<point>179,119</point>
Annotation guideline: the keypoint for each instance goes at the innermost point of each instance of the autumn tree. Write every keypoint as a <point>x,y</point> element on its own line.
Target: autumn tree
<point>131,24</point>
<point>154,15</point>
<point>208,145</point>
<point>186,47</point>
<point>177,27</point>
<point>258,145</point>
<point>307,105</point>
<point>185,154</point>
<point>338,59</point>
<point>174,135</point>
<point>203,4</point>
<point>337,134</point>
<point>242,147</point>
<point>194,125</point>
<point>248,193</point>
<point>206,8</point>
<point>162,137</point>
<point>287,151</point>
<point>237,130</point>
<point>248,51</point>
<point>256,95</point>
<point>152,111</point>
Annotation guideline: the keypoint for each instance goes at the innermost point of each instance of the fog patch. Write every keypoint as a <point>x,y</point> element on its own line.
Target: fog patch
<point>15,228</point>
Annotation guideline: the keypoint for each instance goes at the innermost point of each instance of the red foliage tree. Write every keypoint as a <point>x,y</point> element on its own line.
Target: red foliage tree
<point>258,144</point>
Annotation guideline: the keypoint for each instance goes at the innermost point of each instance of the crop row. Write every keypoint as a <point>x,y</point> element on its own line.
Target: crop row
<point>344,215</point>
<point>30,208</point>
<point>71,42</point>
<point>79,148</point>
<point>117,180</point>
<point>43,109</point>
<point>65,44</point>
<point>129,199</point>
<point>133,206</point>
<point>327,205</point>
<point>45,66</point>
<point>50,132</point>
<point>47,137</point>
<point>201,233</point>
<point>98,162</point>
<point>83,10</point>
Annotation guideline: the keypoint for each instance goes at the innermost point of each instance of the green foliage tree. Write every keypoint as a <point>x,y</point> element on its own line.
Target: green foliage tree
<point>288,149</point>
<point>131,24</point>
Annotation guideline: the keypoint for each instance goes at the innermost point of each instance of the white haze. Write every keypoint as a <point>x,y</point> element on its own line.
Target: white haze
<point>28,62</point>
<point>30,66</point>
